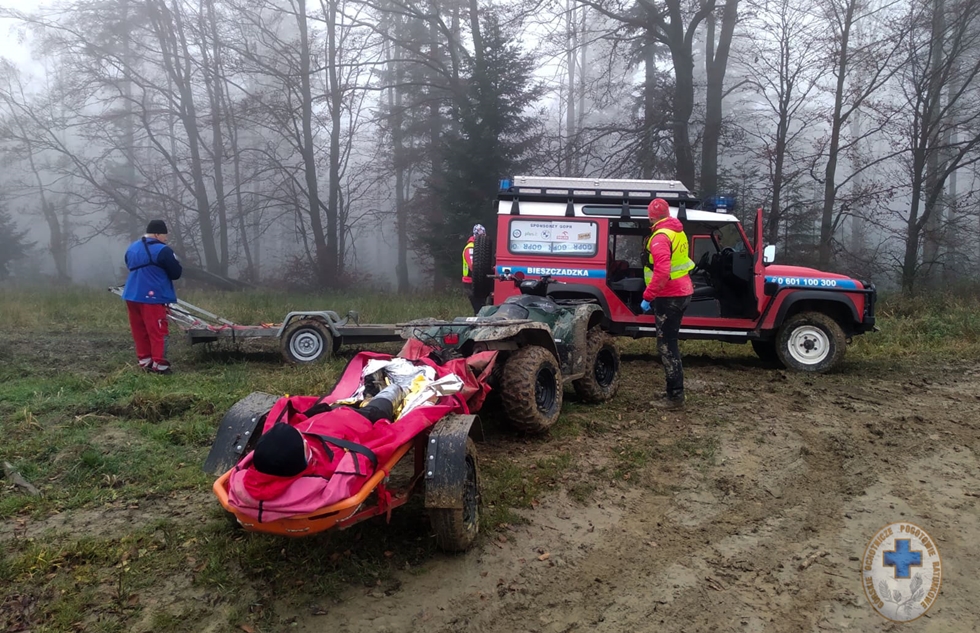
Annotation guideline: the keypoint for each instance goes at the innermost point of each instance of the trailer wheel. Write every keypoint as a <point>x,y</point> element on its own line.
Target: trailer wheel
<point>307,341</point>
<point>456,529</point>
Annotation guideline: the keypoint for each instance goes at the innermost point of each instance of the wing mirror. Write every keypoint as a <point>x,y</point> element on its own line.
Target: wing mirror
<point>769,254</point>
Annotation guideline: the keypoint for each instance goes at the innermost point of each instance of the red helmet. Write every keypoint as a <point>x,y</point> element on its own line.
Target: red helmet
<point>658,209</point>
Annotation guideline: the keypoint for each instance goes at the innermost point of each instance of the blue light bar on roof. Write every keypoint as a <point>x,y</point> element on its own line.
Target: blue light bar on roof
<point>719,203</point>
<point>505,184</point>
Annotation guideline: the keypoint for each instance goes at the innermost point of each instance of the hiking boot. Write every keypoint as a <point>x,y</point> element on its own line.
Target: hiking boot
<point>675,404</point>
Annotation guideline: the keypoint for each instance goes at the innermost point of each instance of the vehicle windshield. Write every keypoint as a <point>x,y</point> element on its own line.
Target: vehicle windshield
<point>729,237</point>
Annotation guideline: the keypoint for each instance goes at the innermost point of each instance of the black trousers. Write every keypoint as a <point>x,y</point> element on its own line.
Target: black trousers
<point>669,311</point>
<point>475,301</point>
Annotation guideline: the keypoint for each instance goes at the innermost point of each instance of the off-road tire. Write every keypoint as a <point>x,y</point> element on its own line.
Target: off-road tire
<point>306,341</point>
<point>531,389</point>
<point>766,351</point>
<point>811,342</point>
<point>482,266</point>
<point>601,380</point>
<point>456,529</point>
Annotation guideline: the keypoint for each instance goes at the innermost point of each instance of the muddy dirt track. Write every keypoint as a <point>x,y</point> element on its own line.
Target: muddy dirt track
<point>749,514</point>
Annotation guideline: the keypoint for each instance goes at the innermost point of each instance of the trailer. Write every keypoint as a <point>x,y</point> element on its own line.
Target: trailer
<point>305,336</point>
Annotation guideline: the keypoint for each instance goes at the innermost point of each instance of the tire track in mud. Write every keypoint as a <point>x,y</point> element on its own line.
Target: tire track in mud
<point>767,539</point>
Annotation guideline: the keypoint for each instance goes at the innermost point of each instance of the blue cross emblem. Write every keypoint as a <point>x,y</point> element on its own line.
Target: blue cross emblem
<point>901,558</point>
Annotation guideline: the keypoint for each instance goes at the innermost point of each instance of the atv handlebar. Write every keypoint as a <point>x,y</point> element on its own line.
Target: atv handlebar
<point>537,287</point>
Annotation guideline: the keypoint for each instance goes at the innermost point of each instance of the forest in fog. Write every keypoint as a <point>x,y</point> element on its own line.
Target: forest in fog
<point>312,144</point>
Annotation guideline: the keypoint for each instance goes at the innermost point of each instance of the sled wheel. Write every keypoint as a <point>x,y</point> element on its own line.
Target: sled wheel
<point>482,266</point>
<point>766,351</point>
<point>811,342</point>
<point>601,380</point>
<point>456,529</point>
<point>531,389</point>
<point>307,341</point>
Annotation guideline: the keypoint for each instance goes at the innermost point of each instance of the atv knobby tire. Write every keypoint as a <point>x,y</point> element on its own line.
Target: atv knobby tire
<point>811,342</point>
<point>307,341</point>
<point>482,266</point>
<point>531,389</point>
<point>601,380</point>
<point>456,529</point>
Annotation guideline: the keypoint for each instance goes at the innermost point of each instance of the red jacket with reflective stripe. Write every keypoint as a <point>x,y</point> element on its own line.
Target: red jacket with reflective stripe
<point>661,285</point>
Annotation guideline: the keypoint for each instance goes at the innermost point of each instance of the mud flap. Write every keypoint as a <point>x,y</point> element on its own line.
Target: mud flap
<point>238,431</point>
<point>445,461</point>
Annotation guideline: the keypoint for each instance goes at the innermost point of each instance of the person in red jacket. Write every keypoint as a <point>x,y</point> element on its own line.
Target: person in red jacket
<point>669,289</point>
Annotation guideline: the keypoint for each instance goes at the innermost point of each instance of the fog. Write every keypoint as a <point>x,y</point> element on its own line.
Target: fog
<point>353,143</point>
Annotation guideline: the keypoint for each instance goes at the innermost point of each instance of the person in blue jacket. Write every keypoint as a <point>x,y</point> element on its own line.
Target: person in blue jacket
<point>153,267</point>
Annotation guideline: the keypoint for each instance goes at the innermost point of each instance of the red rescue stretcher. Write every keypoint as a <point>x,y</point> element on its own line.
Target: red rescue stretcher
<point>437,434</point>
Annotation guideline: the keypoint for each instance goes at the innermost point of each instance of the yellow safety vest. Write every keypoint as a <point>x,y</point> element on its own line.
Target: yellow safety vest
<point>680,263</point>
<point>466,264</point>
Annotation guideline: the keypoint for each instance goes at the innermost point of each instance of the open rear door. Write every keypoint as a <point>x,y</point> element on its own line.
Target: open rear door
<point>759,268</point>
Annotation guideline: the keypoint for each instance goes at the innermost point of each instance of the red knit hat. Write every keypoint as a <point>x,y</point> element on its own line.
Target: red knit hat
<point>658,209</point>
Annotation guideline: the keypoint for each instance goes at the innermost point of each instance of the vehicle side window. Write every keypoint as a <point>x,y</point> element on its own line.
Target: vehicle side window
<point>701,244</point>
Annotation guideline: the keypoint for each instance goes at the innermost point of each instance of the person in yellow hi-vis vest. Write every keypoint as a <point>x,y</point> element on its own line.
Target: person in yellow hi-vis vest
<point>475,301</point>
<point>667,274</point>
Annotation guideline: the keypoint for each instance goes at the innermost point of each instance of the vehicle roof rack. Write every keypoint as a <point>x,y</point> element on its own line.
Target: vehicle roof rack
<point>595,189</point>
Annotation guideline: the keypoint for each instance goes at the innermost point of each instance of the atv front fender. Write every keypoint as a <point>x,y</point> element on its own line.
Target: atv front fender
<point>238,431</point>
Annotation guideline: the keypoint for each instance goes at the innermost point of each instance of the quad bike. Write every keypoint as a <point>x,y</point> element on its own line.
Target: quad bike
<point>541,343</point>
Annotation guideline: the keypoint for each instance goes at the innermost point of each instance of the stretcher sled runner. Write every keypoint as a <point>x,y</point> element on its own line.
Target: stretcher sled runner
<point>305,464</point>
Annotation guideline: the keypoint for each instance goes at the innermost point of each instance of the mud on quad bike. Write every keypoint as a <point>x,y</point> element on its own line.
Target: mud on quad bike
<point>541,343</point>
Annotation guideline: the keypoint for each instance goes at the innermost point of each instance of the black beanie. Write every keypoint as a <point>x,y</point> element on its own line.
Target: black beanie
<point>156,227</point>
<point>280,452</point>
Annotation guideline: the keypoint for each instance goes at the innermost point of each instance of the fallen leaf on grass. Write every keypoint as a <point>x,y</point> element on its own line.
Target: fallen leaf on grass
<point>247,628</point>
<point>544,556</point>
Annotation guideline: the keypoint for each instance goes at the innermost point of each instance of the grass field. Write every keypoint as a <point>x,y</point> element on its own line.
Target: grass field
<point>119,453</point>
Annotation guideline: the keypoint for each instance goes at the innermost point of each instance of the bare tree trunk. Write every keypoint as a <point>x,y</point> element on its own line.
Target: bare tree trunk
<point>716,65</point>
<point>335,105</point>
<point>833,151</point>
<point>133,227</point>
<point>570,100</point>
<point>647,167</point>
<point>931,234</point>
<point>323,253</point>
<point>398,163</point>
<point>213,78</point>
<point>173,44</point>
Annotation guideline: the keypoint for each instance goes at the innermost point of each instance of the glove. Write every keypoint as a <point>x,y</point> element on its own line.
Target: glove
<point>645,305</point>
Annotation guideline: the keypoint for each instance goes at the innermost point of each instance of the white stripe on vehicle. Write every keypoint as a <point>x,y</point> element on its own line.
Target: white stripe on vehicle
<point>689,331</point>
